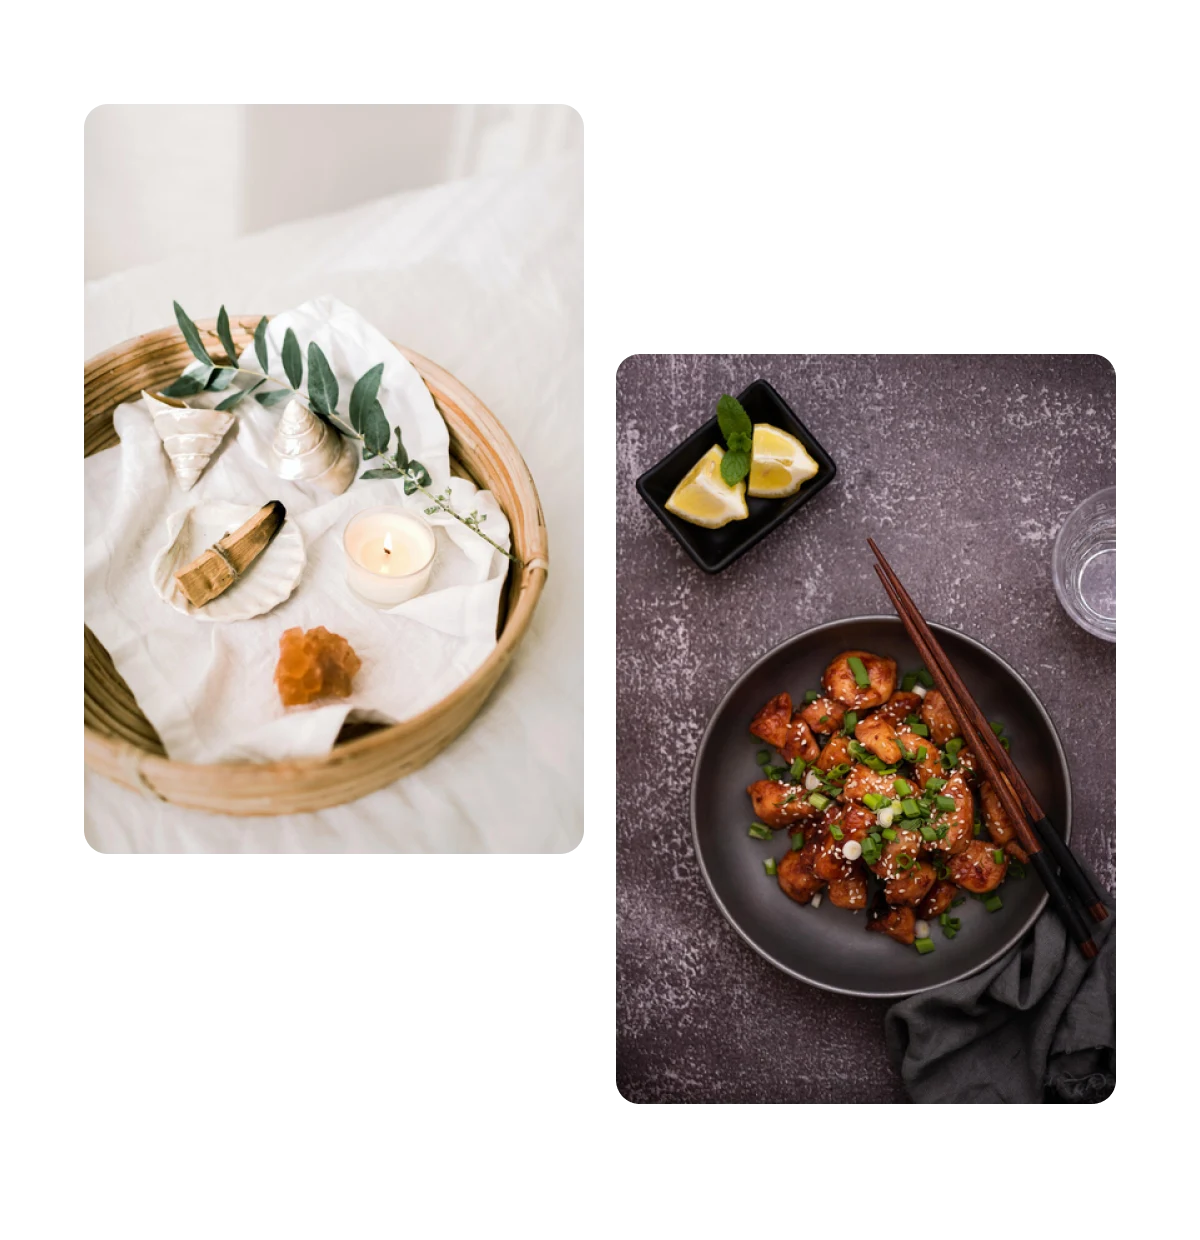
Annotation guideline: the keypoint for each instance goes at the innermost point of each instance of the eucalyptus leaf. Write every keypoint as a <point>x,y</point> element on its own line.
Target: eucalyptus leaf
<point>322,383</point>
<point>375,430</point>
<point>363,396</point>
<point>410,487</point>
<point>226,336</point>
<point>231,400</point>
<point>276,396</point>
<point>185,385</point>
<point>293,363</point>
<point>188,384</point>
<point>220,378</point>
<point>422,473</point>
<point>401,451</point>
<point>260,343</point>
<point>191,333</point>
<point>381,473</point>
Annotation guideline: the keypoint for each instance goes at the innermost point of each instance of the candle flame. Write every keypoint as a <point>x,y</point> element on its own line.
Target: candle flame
<point>387,543</point>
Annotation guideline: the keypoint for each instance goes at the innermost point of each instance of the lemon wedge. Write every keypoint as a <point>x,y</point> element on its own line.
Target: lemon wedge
<point>779,463</point>
<point>705,498</point>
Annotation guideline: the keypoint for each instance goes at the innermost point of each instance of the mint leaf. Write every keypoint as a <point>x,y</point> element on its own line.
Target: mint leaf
<point>733,420</point>
<point>735,466</point>
<point>739,441</point>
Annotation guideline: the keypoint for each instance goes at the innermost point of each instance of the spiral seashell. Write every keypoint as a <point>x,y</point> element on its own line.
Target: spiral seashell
<point>190,436</point>
<point>308,449</point>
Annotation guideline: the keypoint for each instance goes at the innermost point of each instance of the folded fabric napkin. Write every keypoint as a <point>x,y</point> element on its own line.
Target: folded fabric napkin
<point>1039,1025</point>
<point>208,689</point>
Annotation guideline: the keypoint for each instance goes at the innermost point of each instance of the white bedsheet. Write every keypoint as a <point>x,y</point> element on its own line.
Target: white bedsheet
<point>485,277</point>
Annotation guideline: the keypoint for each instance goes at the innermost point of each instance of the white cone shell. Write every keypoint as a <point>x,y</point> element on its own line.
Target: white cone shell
<point>190,437</point>
<point>308,449</point>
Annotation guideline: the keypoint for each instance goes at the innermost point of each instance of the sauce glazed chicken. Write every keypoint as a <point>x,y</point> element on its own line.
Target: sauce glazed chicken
<point>876,788</point>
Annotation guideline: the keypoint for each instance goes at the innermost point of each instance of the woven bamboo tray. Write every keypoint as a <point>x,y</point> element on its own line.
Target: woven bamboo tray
<point>119,740</point>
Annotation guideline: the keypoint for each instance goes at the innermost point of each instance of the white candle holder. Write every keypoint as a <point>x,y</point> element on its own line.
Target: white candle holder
<point>371,573</point>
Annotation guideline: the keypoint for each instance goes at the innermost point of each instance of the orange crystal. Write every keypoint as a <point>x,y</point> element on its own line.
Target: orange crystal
<point>313,665</point>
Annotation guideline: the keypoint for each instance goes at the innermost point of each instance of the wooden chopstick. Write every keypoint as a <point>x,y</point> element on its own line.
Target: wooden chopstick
<point>1067,910</point>
<point>1093,898</point>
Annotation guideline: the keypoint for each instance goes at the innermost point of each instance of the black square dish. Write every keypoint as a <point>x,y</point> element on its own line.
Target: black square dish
<point>714,550</point>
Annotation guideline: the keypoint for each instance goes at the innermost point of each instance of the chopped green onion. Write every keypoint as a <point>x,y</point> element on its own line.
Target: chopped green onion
<point>998,856</point>
<point>797,841</point>
<point>924,946</point>
<point>798,768</point>
<point>943,870</point>
<point>920,729</point>
<point>860,672</point>
<point>823,719</point>
<point>760,831</point>
<point>811,695</point>
<point>904,861</point>
<point>956,903</point>
<point>817,801</point>
<point>903,787</point>
<point>942,831</point>
<point>1007,746</point>
<point>934,784</point>
<point>992,903</point>
<point>774,772</point>
<point>872,800</point>
<point>1016,869</point>
<point>889,833</point>
<point>928,834</point>
<point>910,679</point>
<point>953,745</point>
<point>911,719</point>
<point>791,796</point>
<point>944,803</point>
<point>977,828</point>
<point>836,831</point>
<point>850,722</point>
<point>996,727</point>
<point>762,757</point>
<point>770,867</point>
<point>910,808</point>
<point>944,919</point>
<point>922,754</point>
<point>925,677</point>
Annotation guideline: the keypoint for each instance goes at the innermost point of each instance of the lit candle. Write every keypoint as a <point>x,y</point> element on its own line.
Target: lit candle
<point>389,555</point>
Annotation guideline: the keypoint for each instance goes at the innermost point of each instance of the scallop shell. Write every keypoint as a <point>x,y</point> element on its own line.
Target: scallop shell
<point>190,436</point>
<point>307,449</point>
<point>268,582</point>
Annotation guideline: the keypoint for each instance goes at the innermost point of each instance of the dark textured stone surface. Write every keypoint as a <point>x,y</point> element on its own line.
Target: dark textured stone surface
<point>964,468</point>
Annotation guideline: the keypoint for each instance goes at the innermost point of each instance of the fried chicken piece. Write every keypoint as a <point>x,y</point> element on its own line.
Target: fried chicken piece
<point>960,821</point>
<point>898,707</point>
<point>899,923</point>
<point>771,724</point>
<point>824,716</point>
<point>777,804</point>
<point>976,868</point>
<point>850,891</point>
<point>835,753</point>
<point>800,742</point>
<point>839,683</point>
<point>879,737</point>
<point>937,901</point>
<point>936,716</point>
<point>910,886</point>
<point>898,854</point>
<point>796,877</point>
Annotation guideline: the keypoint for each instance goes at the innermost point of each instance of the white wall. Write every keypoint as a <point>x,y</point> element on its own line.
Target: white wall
<point>159,176</point>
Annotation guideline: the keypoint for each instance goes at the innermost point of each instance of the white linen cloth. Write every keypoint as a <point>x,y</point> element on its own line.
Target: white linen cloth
<point>485,277</point>
<point>208,689</point>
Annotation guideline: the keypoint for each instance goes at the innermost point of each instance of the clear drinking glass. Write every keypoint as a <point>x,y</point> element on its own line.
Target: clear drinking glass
<point>1085,564</point>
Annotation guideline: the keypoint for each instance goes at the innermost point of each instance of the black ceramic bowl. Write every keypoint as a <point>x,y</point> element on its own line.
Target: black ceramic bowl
<point>828,946</point>
<point>714,550</point>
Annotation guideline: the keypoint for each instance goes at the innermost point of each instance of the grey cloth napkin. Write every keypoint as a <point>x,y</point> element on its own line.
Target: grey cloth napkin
<point>1039,1025</point>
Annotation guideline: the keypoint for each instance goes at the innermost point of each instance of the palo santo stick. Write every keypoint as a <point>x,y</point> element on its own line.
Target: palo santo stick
<point>215,570</point>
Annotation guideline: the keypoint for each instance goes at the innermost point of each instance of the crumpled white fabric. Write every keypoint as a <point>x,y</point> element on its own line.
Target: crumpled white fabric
<point>208,689</point>
<point>484,276</point>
